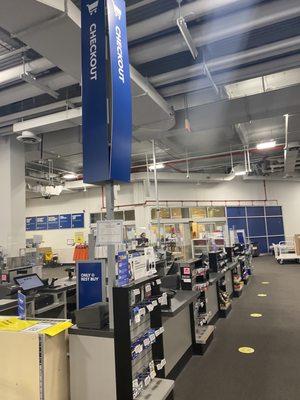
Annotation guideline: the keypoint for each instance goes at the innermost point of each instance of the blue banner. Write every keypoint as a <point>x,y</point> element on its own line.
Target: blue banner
<point>53,222</point>
<point>121,109</point>
<point>65,221</point>
<point>124,273</point>
<point>78,220</point>
<point>21,305</point>
<point>90,283</point>
<point>31,224</point>
<point>94,93</point>
<point>41,223</point>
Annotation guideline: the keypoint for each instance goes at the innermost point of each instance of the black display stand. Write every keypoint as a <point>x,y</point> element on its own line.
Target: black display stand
<point>195,276</point>
<point>127,330</point>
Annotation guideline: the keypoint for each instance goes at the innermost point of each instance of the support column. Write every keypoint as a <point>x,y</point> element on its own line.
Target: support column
<point>13,201</point>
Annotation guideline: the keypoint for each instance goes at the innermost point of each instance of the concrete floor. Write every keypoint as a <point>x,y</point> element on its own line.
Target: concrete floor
<point>273,371</point>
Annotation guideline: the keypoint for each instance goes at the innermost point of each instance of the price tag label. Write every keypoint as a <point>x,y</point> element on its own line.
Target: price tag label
<point>142,311</point>
<point>135,383</point>
<point>137,292</point>
<point>147,381</point>
<point>150,307</point>
<point>157,332</point>
<point>154,303</point>
<point>152,374</point>
<point>158,281</point>
<point>137,318</point>
<point>162,329</point>
<point>185,280</point>
<point>138,349</point>
<point>147,342</point>
<point>152,337</point>
<point>163,362</point>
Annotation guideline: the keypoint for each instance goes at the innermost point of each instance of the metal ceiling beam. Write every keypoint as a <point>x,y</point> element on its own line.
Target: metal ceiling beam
<point>256,17</point>
<point>241,74</point>
<point>233,60</point>
<point>166,20</point>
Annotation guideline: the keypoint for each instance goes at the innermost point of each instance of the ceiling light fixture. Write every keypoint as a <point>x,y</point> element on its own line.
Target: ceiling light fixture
<point>266,145</point>
<point>181,23</point>
<point>70,176</point>
<point>158,166</point>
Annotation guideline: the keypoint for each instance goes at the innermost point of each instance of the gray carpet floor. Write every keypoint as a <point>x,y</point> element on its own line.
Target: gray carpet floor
<point>273,371</point>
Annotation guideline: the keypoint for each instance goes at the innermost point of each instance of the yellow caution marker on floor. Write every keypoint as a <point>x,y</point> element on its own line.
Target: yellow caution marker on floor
<point>262,295</point>
<point>265,283</point>
<point>256,315</point>
<point>246,350</point>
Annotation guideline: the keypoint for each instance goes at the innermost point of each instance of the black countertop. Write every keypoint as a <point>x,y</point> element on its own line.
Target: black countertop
<point>105,333</point>
<point>182,299</point>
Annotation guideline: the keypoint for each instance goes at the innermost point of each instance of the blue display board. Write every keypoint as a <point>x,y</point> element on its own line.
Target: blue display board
<point>21,305</point>
<point>65,221</point>
<point>124,273</point>
<point>255,211</point>
<point>30,223</point>
<point>90,283</point>
<point>53,222</point>
<point>41,223</point>
<point>273,210</point>
<point>275,226</point>
<point>238,223</point>
<point>107,114</point>
<point>78,220</point>
<point>257,226</point>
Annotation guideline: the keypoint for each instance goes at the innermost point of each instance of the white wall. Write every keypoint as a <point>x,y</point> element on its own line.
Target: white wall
<point>287,194</point>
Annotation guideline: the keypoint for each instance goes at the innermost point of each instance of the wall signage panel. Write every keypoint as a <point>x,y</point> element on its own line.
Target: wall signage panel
<point>31,224</point>
<point>78,220</point>
<point>53,222</point>
<point>41,223</point>
<point>90,283</point>
<point>65,221</point>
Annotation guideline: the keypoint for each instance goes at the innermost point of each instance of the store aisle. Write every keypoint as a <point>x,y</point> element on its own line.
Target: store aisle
<point>273,371</point>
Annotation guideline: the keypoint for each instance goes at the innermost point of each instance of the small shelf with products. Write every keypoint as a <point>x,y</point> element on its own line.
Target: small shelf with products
<point>217,260</point>
<point>195,277</point>
<point>138,337</point>
<point>225,302</point>
<point>238,284</point>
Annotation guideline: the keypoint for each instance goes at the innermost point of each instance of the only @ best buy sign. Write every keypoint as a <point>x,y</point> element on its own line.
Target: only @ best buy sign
<point>107,111</point>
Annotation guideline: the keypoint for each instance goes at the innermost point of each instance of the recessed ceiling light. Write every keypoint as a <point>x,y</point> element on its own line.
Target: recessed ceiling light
<point>266,145</point>
<point>158,166</point>
<point>70,176</point>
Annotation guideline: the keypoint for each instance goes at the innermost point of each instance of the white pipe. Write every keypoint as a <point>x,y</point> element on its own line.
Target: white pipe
<point>144,85</point>
<point>219,29</point>
<point>13,74</point>
<point>232,60</point>
<point>167,19</point>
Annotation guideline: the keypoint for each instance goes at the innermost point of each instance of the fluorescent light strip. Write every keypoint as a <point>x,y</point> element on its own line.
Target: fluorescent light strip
<point>266,145</point>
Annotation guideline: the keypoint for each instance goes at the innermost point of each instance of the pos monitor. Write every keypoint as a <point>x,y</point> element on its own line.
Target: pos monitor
<point>29,282</point>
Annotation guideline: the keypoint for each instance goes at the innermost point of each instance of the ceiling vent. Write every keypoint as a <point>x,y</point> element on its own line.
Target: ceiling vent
<point>28,137</point>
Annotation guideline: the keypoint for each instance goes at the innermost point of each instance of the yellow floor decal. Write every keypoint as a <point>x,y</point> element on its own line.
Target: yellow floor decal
<point>246,350</point>
<point>256,315</point>
<point>262,295</point>
<point>265,283</point>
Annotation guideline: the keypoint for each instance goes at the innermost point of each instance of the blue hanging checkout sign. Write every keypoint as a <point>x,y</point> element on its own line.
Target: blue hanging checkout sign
<point>30,223</point>
<point>78,220</point>
<point>106,92</point>
<point>41,223</point>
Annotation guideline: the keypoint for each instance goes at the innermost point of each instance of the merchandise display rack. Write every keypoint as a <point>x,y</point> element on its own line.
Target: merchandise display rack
<point>139,351</point>
<point>225,302</point>
<point>195,276</point>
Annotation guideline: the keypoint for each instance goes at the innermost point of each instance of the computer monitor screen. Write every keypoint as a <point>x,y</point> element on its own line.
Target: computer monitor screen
<point>29,282</point>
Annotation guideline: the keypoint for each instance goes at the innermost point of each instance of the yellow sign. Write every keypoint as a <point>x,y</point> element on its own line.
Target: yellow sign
<point>265,283</point>
<point>15,324</point>
<point>256,315</point>
<point>57,328</point>
<point>262,295</point>
<point>79,237</point>
<point>246,350</point>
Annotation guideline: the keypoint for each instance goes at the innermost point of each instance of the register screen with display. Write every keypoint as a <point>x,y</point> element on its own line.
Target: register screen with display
<point>29,282</point>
